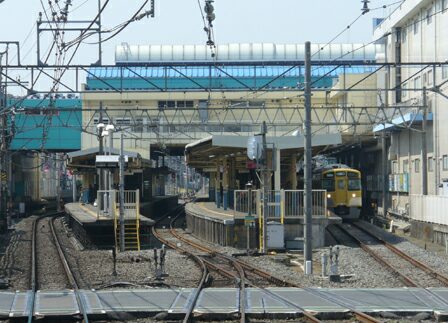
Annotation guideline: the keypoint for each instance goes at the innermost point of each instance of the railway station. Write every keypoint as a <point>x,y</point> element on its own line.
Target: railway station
<point>214,171</point>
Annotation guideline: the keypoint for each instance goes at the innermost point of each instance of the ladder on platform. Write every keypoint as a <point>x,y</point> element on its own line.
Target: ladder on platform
<point>131,221</point>
<point>131,235</point>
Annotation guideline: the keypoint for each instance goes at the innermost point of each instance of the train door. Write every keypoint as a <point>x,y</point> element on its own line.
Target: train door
<point>341,188</point>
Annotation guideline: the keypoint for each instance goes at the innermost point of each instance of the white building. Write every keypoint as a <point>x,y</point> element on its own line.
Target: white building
<point>417,31</point>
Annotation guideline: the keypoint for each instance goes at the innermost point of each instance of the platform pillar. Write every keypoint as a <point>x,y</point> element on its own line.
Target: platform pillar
<point>212,187</point>
<point>277,182</point>
<point>225,184</point>
<point>218,187</point>
<point>292,176</point>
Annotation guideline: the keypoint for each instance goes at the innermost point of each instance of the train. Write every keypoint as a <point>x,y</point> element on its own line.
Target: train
<point>344,190</point>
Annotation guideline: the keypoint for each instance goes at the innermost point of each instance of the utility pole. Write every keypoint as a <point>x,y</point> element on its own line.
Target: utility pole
<point>308,250</point>
<point>122,245</point>
<point>101,145</point>
<point>424,145</point>
<point>266,187</point>
<point>384,169</point>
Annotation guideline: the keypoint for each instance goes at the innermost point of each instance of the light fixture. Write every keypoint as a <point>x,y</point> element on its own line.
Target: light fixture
<point>329,196</point>
<point>353,195</point>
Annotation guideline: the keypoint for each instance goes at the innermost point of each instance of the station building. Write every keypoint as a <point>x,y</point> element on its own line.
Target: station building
<point>416,32</point>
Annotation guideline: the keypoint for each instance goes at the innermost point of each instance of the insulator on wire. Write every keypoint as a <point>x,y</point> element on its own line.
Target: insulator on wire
<point>365,7</point>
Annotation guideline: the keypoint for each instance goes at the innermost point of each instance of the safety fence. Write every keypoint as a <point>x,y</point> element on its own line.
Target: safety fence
<point>428,208</point>
<point>108,203</point>
<point>281,204</point>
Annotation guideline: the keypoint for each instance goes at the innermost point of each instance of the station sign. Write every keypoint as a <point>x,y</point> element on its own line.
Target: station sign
<point>109,161</point>
<point>249,220</point>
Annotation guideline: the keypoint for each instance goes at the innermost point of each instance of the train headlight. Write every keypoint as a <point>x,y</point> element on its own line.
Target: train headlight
<point>329,196</point>
<point>353,195</point>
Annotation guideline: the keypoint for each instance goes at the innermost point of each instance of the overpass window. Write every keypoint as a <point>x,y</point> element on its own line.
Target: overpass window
<point>416,27</point>
<point>444,5</point>
<point>428,16</point>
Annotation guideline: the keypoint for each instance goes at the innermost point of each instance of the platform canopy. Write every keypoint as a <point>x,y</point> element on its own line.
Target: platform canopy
<point>84,160</point>
<point>203,154</point>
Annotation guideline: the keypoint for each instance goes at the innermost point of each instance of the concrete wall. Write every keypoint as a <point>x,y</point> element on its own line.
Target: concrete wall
<point>423,25</point>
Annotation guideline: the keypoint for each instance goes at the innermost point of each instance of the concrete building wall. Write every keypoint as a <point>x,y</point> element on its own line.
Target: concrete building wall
<point>420,27</point>
<point>225,112</point>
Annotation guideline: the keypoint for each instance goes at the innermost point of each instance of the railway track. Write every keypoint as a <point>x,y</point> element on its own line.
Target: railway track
<point>45,271</point>
<point>238,271</point>
<point>410,271</point>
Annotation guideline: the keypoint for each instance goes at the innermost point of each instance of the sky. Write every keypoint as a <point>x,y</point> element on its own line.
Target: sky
<point>180,22</point>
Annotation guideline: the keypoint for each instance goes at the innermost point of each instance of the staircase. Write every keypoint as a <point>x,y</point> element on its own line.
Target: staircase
<point>131,235</point>
<point>131,221</point>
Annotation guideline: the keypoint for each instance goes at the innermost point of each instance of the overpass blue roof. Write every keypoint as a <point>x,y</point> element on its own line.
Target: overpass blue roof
<point>210,77</point>
<point>63,127</point>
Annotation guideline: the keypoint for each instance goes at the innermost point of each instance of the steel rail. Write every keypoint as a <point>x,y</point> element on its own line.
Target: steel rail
<point>362,317</point>
<point>406,280</point>
<point>197,259</point>
<point>33,276</point>
<point>432,272</point>
<point>68,271</point>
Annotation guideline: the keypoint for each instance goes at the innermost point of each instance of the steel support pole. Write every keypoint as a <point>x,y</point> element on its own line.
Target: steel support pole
<point>74,192</point>
<point>101,152</point>
<point>308,250</point>
<point>424,145</point>
<point>265,186</point>
<point>122,245</point>
<point>384,170</point>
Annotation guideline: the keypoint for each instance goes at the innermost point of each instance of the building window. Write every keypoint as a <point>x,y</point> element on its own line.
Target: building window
<point>404,92</point>
<point>416,27</point>
<point>430,164</point>
<point>444,5</point>
<point>97,120</point>
<point>444,70</point>
<point>395,167</point>
<point>417,165</point>
<point>445,162</point>
<point>417,82</point>
<point>405,166</point>
<point>430,77</point>
<point>121,122</point>
<point>428,16</point>
<point>404,35</point>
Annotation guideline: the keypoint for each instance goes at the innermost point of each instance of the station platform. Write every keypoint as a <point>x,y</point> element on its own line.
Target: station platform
<point>228,227</point>
<point>91,228</point>
<point>223,303</point>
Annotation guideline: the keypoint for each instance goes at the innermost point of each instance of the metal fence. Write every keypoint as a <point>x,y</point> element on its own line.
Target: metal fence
<point>295,203</point>
<point>428,208</point>
<point>241,201</point>
<point>281,204</point>
<point>108,203</point>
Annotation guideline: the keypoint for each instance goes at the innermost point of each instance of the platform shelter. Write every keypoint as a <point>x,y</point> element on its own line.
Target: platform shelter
<point>223,219</point>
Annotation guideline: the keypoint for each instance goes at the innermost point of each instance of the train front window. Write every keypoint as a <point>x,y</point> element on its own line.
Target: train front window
<point>354,184</point>
<point>328,184</point>
<point>341,184</point>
